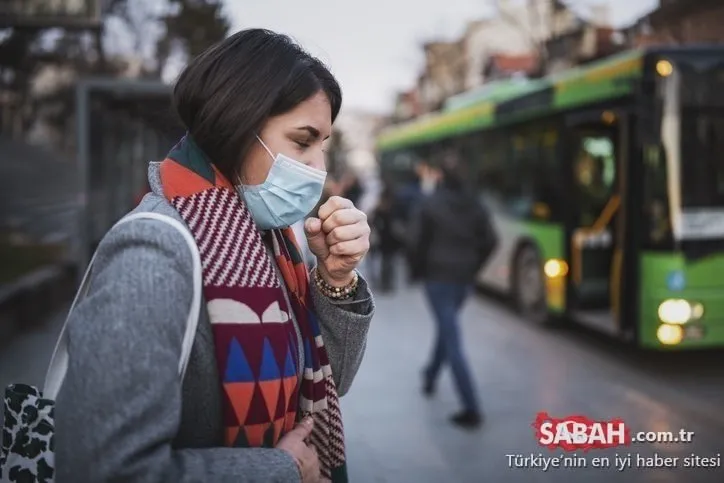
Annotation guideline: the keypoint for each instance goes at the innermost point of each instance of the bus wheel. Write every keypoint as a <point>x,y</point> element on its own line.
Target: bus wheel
<point>529,292</point>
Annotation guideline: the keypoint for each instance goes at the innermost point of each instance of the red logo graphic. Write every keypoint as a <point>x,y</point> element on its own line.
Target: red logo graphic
<point>575,433</point>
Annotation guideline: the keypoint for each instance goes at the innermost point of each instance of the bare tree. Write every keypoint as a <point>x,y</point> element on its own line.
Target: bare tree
<point>161,29</point>
<point>139,22</point>
<point>191,26</point>
<point>536,26</point>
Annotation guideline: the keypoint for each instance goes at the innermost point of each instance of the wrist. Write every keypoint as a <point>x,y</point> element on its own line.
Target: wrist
<point>342,290</point>
<point>337,280</point>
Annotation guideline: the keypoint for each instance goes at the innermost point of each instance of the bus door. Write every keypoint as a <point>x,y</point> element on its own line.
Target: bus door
<point>595,201</point>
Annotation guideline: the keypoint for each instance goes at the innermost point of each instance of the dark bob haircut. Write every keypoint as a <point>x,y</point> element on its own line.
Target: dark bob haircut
<point>225,95</point>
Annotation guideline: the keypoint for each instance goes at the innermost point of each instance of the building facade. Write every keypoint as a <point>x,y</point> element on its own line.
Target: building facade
<point>512,43</point>
<point>677,22</point>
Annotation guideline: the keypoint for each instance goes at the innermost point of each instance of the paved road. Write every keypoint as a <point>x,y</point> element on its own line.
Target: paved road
<point>394,435</point>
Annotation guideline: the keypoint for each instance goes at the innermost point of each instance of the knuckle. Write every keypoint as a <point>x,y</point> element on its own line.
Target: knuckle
<point>333,236</point>
<point>338,217</point>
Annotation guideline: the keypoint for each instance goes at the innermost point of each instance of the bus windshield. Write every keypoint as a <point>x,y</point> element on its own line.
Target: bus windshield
<point>702,158</point>
<point>702,131</point>
<point>693,137</point>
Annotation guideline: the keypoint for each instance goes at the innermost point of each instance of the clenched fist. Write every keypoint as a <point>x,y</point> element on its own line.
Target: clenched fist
<point>339,238</point>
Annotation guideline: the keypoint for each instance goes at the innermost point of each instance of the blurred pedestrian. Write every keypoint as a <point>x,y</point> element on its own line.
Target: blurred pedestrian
<point>387,238</point>
<point>352,187</point>
<point>271,348</point>
<point>454,239</point>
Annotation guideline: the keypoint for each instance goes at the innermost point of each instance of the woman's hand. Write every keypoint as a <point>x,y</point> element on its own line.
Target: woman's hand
<point>340,238</point>
<point>305,456</point>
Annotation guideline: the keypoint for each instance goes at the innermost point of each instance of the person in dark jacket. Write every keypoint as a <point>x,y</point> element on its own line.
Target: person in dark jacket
<point>453,240</point>
<point>388,243</point>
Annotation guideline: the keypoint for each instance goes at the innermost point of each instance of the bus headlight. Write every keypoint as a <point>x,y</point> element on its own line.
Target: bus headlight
<point>670,334</point>
<point>555,268</point>
<point>664,68</point>
<point>677,311</point>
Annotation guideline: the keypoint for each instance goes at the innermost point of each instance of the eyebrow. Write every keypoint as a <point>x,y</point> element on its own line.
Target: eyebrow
<point>314,132</point>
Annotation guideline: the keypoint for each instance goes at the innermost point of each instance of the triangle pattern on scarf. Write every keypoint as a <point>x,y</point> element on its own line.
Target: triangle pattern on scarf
<point>269,436</point>
<point>255,434</point>
<point>237,367</point>
<point>278,428</point>
<point>241,440</point>
<point>289,385</point>
<point>282,402</point>
<point>258,412</point>
<point>290,367</point>
<point>269,369</point>
<point>232,433</point>
<point>290,420</point>
<point>240,394</point>
<point>270,390</point>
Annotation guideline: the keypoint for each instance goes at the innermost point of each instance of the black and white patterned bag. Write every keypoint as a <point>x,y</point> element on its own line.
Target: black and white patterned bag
<point>26,450</point>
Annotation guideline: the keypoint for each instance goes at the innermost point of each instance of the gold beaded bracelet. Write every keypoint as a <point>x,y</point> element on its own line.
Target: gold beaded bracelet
<point>336,293</point>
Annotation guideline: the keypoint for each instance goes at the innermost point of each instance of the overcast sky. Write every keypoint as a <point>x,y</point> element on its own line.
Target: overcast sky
<point>373,47</point>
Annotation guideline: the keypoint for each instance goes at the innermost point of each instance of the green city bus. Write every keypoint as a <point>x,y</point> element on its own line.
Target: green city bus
<point>606,184</point>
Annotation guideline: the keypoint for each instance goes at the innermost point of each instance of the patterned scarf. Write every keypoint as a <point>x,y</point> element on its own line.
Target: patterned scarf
<point>257,345</point>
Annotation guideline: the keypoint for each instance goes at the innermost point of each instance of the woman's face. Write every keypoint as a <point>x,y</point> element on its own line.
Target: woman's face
<point>299,134</point>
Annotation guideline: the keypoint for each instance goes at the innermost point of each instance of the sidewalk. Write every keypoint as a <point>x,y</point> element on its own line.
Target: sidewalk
<point>395,435</point>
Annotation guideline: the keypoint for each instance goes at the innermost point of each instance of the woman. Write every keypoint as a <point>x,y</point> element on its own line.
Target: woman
<point>257,109</point>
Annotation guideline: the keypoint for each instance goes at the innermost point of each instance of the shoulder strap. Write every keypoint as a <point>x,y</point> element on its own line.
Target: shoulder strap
<point>59,362</point>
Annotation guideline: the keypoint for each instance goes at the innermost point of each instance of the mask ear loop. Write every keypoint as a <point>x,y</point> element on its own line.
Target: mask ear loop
<point>265,147</point>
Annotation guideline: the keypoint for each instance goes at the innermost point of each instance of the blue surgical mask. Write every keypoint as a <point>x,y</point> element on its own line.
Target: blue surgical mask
<point>289,193</point>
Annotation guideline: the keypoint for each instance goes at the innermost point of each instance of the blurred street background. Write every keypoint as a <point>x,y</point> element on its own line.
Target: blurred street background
<point>593,131</point>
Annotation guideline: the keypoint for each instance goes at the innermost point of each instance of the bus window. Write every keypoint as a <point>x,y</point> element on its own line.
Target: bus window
<point>490,161</point>
<point>594,175</point>
<point>702,144</point>
<point>547,178</point>
<point>655,203</point>
<point>520,184</point>
<point>532,175</point>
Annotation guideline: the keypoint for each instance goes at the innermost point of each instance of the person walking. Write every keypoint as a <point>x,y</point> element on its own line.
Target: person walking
<point>275,346</point>
<point>388,242</point>
<point>453,240</point>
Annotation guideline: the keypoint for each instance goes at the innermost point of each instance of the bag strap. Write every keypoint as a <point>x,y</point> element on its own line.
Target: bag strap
<point>59,362</point>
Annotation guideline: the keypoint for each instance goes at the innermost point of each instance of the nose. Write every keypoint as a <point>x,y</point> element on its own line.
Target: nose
<point>317,160</point>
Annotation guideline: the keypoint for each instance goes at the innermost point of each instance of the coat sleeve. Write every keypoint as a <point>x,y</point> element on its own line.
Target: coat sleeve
<point>344,325</point>
<point>119,408</point>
